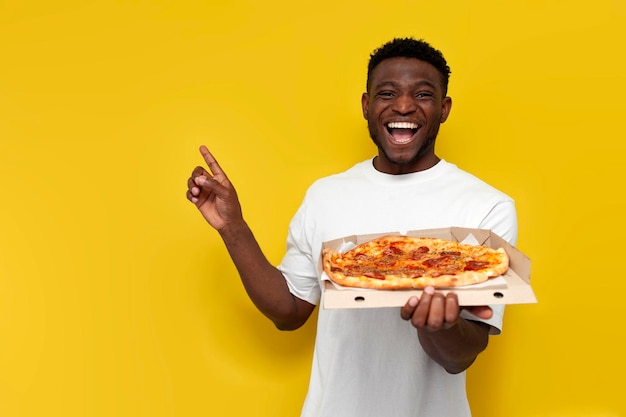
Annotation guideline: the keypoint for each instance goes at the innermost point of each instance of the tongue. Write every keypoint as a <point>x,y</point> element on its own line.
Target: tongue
<point>401,134</point>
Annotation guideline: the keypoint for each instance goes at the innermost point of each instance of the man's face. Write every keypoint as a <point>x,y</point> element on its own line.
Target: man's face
<point>404,108</point>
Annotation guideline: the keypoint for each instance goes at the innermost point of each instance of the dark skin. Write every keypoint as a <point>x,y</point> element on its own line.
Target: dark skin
<point>402,90</point>
<point>216,198</point>
<point>410,91</point>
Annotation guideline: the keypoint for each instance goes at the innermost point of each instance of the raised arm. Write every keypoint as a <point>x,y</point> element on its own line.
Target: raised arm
<point>216,199</point>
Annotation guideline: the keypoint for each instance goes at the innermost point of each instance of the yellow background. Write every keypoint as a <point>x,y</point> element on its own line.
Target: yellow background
<point>116,299</point>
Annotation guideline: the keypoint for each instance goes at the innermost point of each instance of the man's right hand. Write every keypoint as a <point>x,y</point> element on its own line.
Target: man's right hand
<point>215,197</point>
<point>213,194</point>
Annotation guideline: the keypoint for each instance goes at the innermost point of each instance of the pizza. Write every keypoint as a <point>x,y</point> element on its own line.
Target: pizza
<point>403,262</point>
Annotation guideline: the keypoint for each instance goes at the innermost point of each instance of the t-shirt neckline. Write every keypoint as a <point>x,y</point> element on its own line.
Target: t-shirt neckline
<point>413,177</point>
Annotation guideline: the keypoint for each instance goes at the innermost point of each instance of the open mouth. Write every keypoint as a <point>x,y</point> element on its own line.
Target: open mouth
<point>402,132</point>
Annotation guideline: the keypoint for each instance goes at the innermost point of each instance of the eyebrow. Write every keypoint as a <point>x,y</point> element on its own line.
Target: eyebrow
<point>396,85</point>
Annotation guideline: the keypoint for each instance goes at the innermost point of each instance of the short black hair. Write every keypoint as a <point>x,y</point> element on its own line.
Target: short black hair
<point>410,48</point>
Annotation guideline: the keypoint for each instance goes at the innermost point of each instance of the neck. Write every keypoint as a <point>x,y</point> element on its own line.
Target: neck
<point>383,165</point>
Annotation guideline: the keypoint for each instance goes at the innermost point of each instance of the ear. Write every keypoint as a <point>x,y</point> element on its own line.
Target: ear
<point>446,106</point>
<point>365,104</point>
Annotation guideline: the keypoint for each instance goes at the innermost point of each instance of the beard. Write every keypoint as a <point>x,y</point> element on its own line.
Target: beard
<point>428,144</point>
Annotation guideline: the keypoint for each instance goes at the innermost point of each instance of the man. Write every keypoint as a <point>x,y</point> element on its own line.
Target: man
<point>376,362</point>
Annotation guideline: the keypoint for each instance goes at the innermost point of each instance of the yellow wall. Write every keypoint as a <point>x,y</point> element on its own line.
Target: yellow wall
<point>116,299</point>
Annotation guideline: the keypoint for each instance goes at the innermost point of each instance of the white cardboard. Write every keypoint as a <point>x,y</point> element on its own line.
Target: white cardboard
<point>512,288</point>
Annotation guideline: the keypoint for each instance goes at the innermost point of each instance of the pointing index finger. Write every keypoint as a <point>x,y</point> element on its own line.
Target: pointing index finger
<point>211,161</point>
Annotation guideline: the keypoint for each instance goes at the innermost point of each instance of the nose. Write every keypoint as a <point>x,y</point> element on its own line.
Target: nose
<point>404,104</point>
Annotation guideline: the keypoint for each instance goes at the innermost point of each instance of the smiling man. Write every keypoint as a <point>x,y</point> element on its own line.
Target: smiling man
<point>381,362</point>
<point>404,105</point>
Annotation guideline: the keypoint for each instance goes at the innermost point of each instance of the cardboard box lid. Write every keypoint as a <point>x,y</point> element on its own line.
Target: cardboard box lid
<point>512,288</point>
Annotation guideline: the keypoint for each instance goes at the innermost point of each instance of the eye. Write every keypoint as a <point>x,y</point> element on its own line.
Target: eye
<point>424,94</point>
<point>385,94</point>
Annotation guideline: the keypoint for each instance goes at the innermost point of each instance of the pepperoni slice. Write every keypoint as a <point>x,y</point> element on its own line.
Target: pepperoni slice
<point>475,265</point>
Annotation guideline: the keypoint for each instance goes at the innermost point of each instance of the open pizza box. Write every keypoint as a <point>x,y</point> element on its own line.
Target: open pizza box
<point>511,288</point>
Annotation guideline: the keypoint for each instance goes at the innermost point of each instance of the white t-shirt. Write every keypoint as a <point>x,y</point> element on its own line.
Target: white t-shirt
<point>368,362</point>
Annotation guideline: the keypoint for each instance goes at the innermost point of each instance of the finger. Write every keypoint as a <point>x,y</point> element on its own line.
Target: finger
<point>192,185</point>
<point>199,171</point>
<point>407,310</point>
<point>199,180</point>
<point>192,197</point>
<point>209,184</point>
<point>436,313</point>
<point>452,308</point>
<point>211,161</point>
<point>420,315</point>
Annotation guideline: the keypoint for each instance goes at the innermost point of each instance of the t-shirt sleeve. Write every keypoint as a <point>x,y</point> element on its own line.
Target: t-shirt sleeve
<point>501,220</point>
<point>495,321</point>
<point>298,265</point>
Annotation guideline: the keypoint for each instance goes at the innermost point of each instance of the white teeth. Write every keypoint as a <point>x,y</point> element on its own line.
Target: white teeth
<point>402,141</point>
<point>402,125</point>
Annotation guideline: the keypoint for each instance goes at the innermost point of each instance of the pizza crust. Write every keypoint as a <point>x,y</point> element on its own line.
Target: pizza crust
<point>337,266</point>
